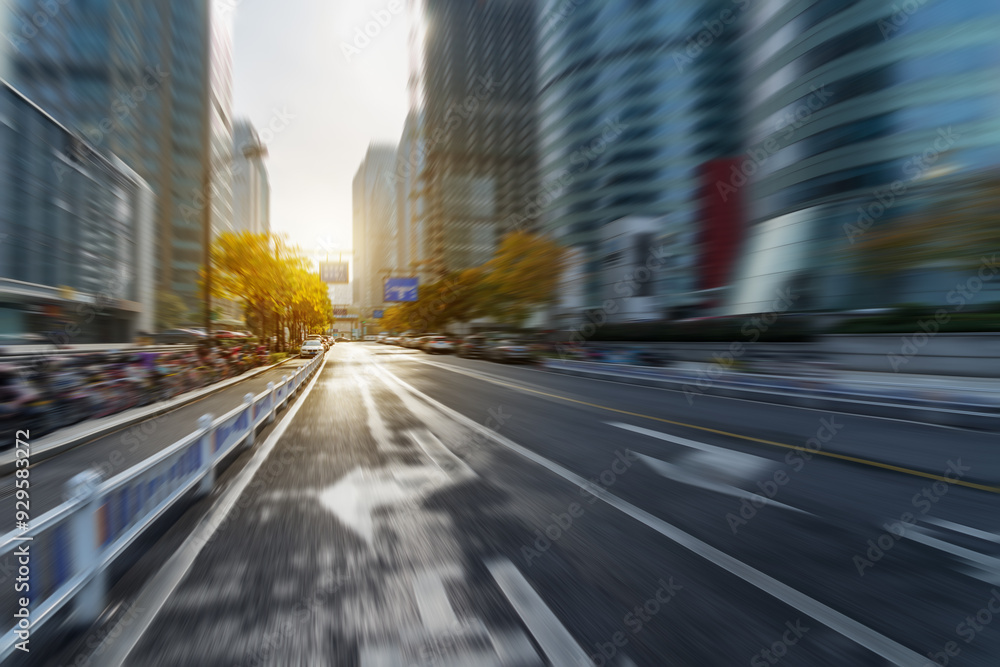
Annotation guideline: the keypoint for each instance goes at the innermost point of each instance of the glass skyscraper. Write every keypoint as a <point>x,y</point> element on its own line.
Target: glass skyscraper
<point>886,114</point>
<point>76,233</point>
<point>477,129</point>
<point>628,113</point>
<point>150,81</point>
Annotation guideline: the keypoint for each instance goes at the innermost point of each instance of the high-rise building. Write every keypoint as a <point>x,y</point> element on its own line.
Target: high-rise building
<point>477,128</point>
<point>376,239</point>
<point>886,114</point>
<point>76,234</point>
<point>251,189</point>
<point>629,114</point>
<point>149,81</point>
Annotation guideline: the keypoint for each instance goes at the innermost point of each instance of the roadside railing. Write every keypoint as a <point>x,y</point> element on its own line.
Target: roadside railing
<point>71,546</point>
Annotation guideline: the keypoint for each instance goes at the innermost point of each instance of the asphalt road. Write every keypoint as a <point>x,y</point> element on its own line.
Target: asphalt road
<point>417,510</point>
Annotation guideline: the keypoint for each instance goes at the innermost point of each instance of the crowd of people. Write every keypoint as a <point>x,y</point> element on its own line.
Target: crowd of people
<point>54,391</point>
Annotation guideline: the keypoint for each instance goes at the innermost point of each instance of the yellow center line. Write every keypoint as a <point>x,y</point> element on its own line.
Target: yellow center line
<point>832,455</point>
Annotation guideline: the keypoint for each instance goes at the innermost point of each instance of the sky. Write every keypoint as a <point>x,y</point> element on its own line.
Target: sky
<point>324,106</point>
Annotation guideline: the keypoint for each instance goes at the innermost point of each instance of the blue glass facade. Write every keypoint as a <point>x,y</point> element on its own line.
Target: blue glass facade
<point>894,106</point>
<point>149,81</point>
<point>75,230</point>
<point>630,108</point>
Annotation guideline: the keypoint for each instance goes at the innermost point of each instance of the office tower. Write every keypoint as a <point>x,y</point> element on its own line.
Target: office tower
<point>149,81</point>
<point>477,128</point>
<point>375,227</point>
<point>251,189</point>
<point>629,115</point>
<point>879,190</point>
<point>76,234</point>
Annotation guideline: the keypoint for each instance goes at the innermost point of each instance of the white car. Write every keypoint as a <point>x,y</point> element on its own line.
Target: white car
<point>438,344</point>
<point>312,348</point>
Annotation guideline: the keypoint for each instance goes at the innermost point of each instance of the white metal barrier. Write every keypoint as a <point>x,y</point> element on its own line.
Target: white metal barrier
<point>72,545</point>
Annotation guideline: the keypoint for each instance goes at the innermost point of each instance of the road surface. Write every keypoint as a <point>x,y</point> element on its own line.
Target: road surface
<point>415,510</point>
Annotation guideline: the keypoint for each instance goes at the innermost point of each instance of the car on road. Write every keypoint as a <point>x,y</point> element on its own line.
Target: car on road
<point>322,341</point>
<point>412,341</point>
<point>472,347</point>
<point>437,345</point>
<point>508,350</point>
<point>311,348</point>
<point>341,340</point>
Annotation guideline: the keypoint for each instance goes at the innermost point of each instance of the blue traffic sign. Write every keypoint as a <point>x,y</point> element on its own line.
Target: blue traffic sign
<point>378,314</point>
<point>400,289</point>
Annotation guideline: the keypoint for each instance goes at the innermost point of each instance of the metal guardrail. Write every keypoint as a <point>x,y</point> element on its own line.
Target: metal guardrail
<point>72,545</point>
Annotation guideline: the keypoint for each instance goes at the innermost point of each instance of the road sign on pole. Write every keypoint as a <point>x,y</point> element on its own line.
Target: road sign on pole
<point>400,289</point>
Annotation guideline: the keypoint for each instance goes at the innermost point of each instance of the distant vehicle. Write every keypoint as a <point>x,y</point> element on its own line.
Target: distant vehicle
<point>421,340</point>
<point>391,340</point>
<point>311,348</point>
<point>342,340</point>
<point>508,350</point>
<point>322,341</point>
<point>473,347</point>
<point>410,341</point>
<point>437,345</point>
<point>174,336</point>
<point>371,338</point>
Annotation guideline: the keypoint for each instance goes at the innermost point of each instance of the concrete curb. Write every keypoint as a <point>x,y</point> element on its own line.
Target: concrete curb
<point>926,413</point>
<point>73,436</point>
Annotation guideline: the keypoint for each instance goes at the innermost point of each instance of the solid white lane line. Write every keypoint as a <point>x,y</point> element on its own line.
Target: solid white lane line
<point>964,530</point>
<point>680,474</point>
<point>158,589</point>
<point>861,634</point>
<point>556,642</point>
<point>988,563</point>
<point>750,461</point>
